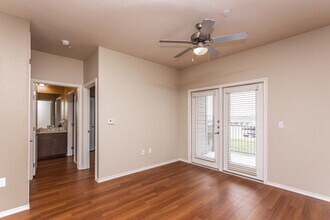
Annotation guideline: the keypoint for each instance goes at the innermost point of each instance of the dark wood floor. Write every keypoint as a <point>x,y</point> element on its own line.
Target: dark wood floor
<point>174,191</point>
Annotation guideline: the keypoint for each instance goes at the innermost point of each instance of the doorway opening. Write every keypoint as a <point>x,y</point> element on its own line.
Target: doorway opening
<point>92,119</point>
<point>90,131</point>
<point>72,128</point>
<point>53,123</point>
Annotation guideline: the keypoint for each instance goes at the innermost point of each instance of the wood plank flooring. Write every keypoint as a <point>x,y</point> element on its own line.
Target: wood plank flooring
<point>174,191</point>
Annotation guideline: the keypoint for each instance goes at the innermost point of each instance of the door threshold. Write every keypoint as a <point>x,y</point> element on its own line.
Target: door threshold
<point>201,165</point>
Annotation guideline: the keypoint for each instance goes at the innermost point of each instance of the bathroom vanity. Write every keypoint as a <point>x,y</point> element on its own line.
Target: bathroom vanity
<point>52,144</point>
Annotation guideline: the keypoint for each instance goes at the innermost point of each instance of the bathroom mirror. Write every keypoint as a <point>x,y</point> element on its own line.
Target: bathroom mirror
<point>49,110</point>
<point>44,111</point>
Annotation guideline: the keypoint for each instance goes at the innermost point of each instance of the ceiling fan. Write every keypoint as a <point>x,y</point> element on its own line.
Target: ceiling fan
<point>201,40</point>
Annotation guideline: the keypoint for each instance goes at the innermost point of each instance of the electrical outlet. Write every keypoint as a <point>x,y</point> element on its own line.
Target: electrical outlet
<point>3,182</point>
<point>111,121</point>
<point>143,152</point>
<point>149,151</point>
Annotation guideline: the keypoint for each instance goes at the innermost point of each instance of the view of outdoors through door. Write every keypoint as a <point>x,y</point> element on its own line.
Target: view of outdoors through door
<point>243,130</point>
<point>205,127</point>
<point>92,119</point>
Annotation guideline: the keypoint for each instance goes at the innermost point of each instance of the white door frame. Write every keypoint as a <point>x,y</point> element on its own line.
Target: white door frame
<point>31,131</point>
<point>86,123</point>
<point>71,120</point>
<point>220,87</point>
<point>80,164</point>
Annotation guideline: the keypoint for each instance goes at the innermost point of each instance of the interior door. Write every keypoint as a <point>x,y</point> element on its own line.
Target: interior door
<point>243,130</point>
<point>205,128</point>
<point>70,125</point>
<point>33,131</point>
<point>74,128</point>
<point>92,125</point>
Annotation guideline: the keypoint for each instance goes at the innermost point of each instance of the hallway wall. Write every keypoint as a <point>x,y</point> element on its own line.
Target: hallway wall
<point>14,96</point>
<point>142,98</point>
<point>51,67</point>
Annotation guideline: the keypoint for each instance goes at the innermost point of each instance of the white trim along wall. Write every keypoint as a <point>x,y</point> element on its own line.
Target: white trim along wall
<point>86,118</point>
<point>14,210</point>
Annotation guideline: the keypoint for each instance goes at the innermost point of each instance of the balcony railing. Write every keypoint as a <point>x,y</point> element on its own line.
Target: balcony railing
<point>242,138</point>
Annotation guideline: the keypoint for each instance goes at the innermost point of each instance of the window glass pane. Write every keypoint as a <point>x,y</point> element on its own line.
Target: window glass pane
<point>242,128</point>
<point>205,127</point>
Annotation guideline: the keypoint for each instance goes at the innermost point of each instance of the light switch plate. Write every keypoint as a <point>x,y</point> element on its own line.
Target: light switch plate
<point>3,182</point>
<point>281,124</point>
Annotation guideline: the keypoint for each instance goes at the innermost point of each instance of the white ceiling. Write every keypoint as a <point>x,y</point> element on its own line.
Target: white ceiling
<point>135,26</point>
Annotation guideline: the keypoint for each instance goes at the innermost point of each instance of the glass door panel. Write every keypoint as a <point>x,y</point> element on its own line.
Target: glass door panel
<point>205,128</point>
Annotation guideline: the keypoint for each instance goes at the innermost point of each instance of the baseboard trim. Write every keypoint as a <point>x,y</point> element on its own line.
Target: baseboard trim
<point>183,160</point>
<point>82,168</point>
<point>299,191</point>
<point>14,210</point>
<point>103,179</point>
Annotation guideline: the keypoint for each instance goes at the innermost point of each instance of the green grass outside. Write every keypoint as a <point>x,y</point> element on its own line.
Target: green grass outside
<point>243,146</point>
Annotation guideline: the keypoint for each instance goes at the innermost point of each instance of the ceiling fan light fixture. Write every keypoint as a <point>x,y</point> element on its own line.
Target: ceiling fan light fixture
<point>201,50</point>
<point>201,41</point>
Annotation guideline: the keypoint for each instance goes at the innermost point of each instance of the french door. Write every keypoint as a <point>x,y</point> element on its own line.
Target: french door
<point>240,149</point>
<point>205,127</point>
<point>243,130</point>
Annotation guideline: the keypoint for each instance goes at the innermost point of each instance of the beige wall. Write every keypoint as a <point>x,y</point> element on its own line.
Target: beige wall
<point>298,72</point>
<point>14,72</point>
<point>51,67</point>
<point>91,67</point>
<point>142,98</point>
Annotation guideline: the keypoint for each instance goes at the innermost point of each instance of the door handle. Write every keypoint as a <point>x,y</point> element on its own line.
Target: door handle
<point>217,132</point>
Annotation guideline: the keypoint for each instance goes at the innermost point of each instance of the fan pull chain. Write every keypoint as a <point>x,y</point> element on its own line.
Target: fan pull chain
<point>192,57</point>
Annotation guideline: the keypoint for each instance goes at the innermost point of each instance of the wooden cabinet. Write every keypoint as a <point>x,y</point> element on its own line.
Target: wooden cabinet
<point>51,145</point>
<point>59,144</point>
<point>45,142</point>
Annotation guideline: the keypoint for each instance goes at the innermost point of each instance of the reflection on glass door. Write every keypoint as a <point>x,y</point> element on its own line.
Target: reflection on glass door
<point>205,128</point>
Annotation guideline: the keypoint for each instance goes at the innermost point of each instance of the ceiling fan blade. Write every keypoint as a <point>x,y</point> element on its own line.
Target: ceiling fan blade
<point>183,52</point>
<point>176,41</point>
<point>207,27</point>
<point>232,37</point>
<point>213,52</point>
